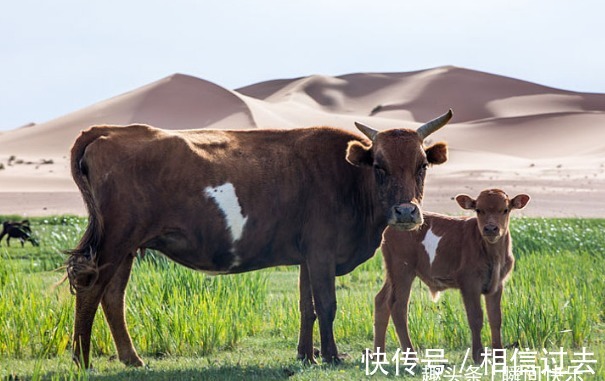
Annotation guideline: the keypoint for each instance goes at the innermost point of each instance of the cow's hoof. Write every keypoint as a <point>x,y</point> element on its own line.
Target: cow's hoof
<point>87,365</point>
<point>336,360</point>
<point>134,361</point>
<point>306,360</point>
<point>309,360</point>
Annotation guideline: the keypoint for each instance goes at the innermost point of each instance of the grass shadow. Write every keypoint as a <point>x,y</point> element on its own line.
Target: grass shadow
<point>197,371</point>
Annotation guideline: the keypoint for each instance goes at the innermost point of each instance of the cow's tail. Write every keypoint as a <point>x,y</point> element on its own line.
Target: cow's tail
<point>82,266</point>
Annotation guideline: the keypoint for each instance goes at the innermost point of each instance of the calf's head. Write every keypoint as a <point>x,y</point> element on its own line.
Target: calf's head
<point>493,209</point>
<point>399,160</point>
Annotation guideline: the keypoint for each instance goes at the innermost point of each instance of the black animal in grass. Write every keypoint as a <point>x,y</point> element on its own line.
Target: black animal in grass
<point>20,230</point>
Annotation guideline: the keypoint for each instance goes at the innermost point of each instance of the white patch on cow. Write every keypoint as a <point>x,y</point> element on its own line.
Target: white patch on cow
<point>225,198</point>
<point>430,243</point>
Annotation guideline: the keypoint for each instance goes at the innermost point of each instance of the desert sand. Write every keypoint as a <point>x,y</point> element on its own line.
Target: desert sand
<point>506,133</point>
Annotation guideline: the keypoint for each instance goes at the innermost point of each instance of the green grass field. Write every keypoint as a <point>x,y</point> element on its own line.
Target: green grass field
<point>187,325</point>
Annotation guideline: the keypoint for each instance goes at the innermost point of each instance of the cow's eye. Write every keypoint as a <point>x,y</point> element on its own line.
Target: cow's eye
<point>380,172</point>
<point>479,211</point>
<point>422,170</point>
<point>505,211</point>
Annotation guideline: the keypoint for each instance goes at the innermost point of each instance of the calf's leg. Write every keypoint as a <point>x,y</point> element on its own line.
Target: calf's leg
<point>494,315</point>
<point>474,314</point>
<point>382,313</point>
<point>399,301</point>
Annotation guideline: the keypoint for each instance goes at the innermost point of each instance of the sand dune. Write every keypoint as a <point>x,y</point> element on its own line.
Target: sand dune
<point>175,102</point>
<point>416,96</point>
<point>507,133</point>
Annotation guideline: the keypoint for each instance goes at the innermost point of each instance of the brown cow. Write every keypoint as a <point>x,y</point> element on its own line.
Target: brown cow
<point>471,254</point>
<point>227,202</point>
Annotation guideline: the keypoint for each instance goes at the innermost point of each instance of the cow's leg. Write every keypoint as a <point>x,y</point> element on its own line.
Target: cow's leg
<point>400,299</point>
<point>323,279</point>
<point>87,302</point>
<point>472,303</point>
<point>113,307</point>
<point>8,241</point>
<point>382,313</point>
<point>494,315</point>
<point>307,317</point>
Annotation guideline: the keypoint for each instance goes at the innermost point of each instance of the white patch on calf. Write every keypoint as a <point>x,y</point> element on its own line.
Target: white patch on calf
<point>225,198</point>
<point>430,243</point>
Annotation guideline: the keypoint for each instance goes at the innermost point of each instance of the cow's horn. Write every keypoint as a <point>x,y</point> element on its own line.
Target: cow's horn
<point>366,130</point>
<point>435,124</point>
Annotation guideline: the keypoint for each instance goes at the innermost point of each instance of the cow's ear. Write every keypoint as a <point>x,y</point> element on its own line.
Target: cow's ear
<point>437,153</point>
<point>519,201</point>
<point>358,154</point>
<point>466,202</point>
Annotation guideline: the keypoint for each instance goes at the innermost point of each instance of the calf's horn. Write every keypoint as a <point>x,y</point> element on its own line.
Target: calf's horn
<point>435,124</point>
<point>366,130</point>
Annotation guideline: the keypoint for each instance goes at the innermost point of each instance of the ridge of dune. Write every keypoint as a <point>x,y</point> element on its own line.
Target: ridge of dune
<point>175,102</point>
<point>190,102</point>
<point>416,95</point>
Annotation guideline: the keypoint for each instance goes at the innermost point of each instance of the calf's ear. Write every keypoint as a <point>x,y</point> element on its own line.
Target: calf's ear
<point>466,202</point>
<point>358,154</point>
<point>519,201</point>
<point>437,153</point>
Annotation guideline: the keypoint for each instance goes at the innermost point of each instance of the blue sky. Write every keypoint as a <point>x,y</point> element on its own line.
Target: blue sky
<point>62,55</point>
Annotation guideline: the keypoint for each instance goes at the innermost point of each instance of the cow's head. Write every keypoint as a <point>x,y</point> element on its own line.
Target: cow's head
<point>493,209</point>
<point>399,161</point>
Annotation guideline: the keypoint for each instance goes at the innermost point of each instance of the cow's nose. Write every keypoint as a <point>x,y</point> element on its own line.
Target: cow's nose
<point>406,213</point>
<point>490,230</point>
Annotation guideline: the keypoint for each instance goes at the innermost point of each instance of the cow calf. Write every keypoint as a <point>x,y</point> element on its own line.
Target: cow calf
<point>471,254</point>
